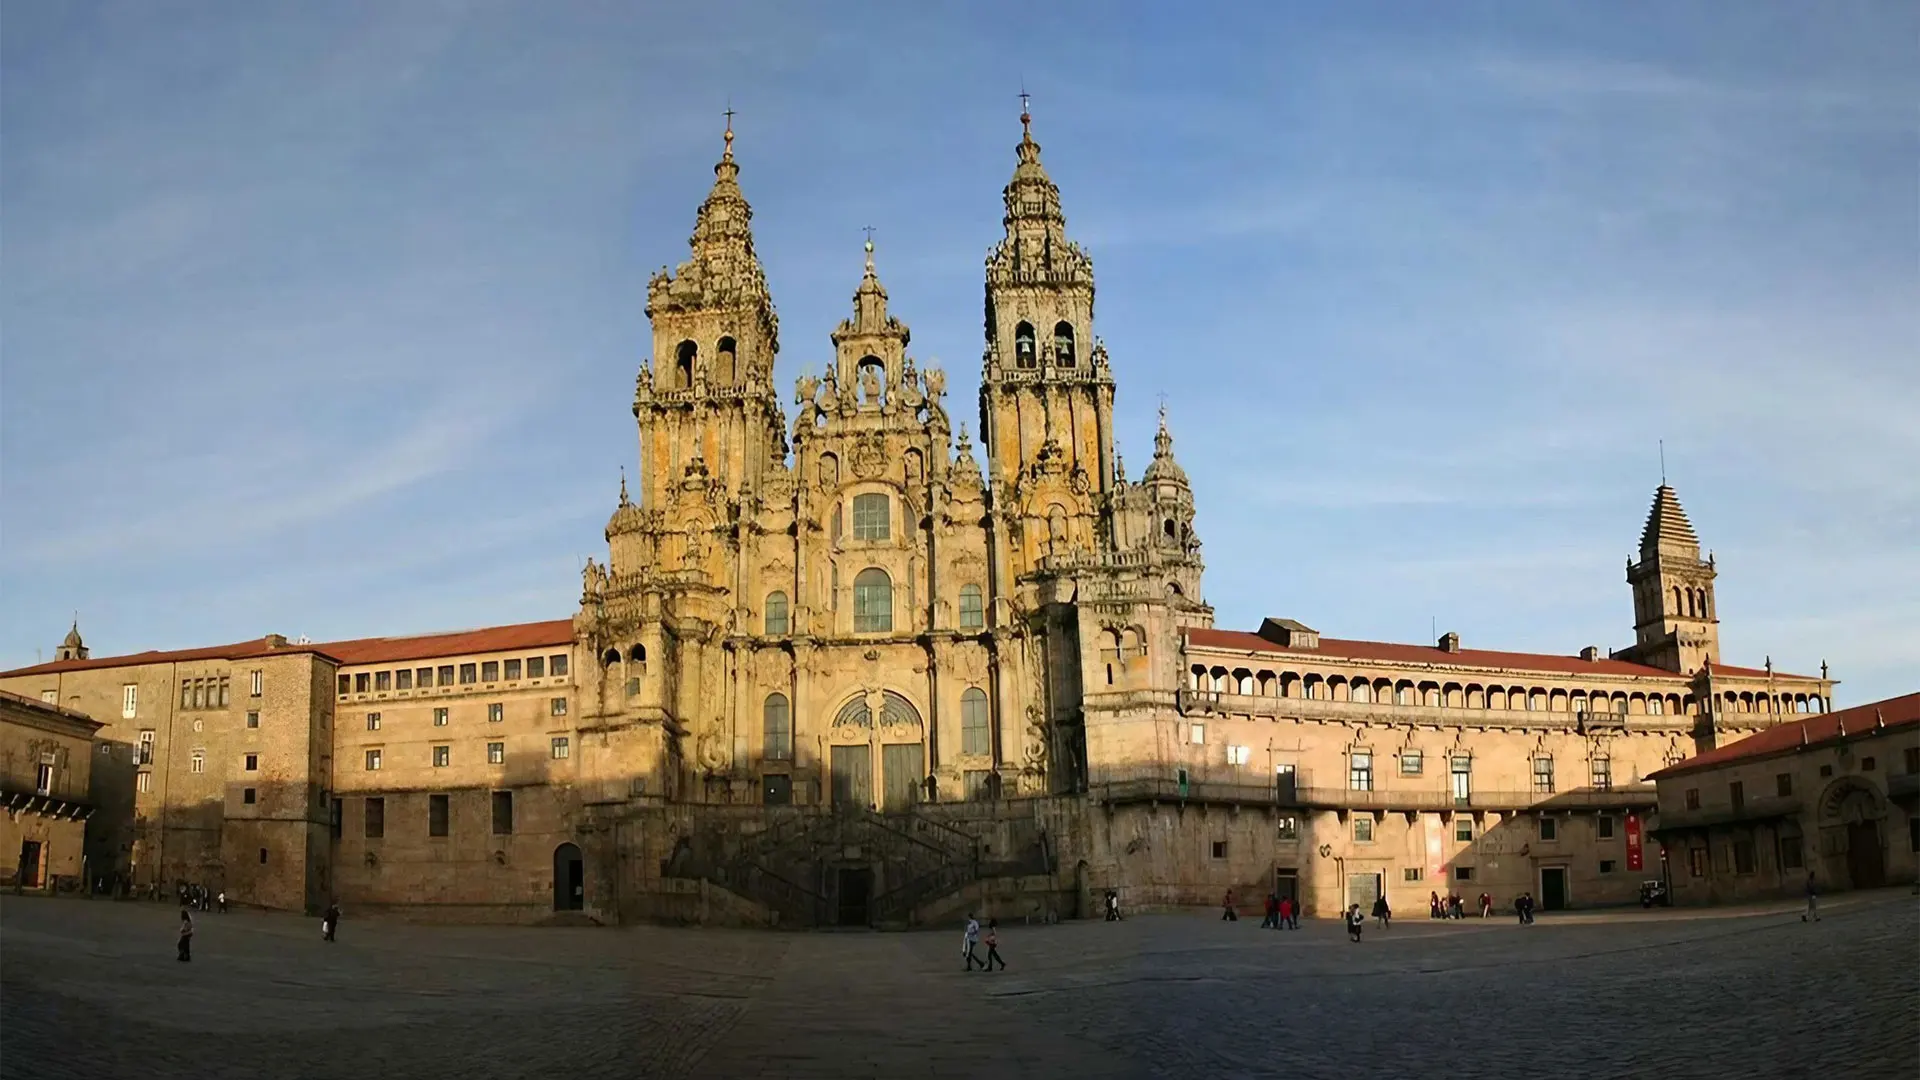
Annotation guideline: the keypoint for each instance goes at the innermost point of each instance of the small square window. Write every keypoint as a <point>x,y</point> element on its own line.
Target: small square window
<point>1693,798</point>
<point>1606,866</point>
<point>1363,830</point>
<point>403,679</point>
<point>373,721</point>
<point>1239,755</point>
<point>1826,770</point>
<point>1463,873</point>
<point>423,678</point>
<point>557,664</point>
<point>263,856</point>
<point>496,753</point>
<point>560,748</point>
<point>346,684</point>
<point>247,796</point>
<point>253,762</point>
<point>437,815</point>
<point>496,712</point>
<point>442,756</point>
<point>197,761</point>
<point>1412,762</point>
<point>1411,873</point>
<point>253,718</point>
<point>536,667</point>
<point>1219,849</point>
<point>490,671</point>
<point>382,681</point>
<point>1289,829</point>
<point>376,818</point>
<point>1549,829</point>
<point>1866,764</point>
<point>1783,784</point>
<point>512,670</point>
<point>143,782</point>
<point>362,682</point>
<point>440,717</point>
<point>1463,829</point>
<point>1197,734</point>
<point>1605,826</point>
<point>557,706</point>
<point>373,760</point>
<point>443,675</point>
<point>469,674</point>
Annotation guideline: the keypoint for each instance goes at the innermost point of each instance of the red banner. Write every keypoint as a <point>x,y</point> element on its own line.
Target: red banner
<point>1633,841</point>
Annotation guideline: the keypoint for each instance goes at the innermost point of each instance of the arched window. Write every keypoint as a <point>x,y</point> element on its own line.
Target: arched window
<point>1063,344</point>
<point>727,361</point>
<point>1693,603</point>
<point>830,471</point>
<point>610,658</point>
<point>871,380</point>
<point>1023,348</point>
<point>870,514</point>
<point>636,667</point>
<point>637,654</point>
<point>683,364</point>
<point>1362,692</point>
<point>1057,530</point>
<point>777,613</point>
<point>1167,528</point>
<point>777,728</point>
<point>975,739</point>
<point>872,601</point>
<point>973,614</point>
<point>1656,706</point>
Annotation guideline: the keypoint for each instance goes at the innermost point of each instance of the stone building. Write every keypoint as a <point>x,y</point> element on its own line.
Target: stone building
<point>836,667</point>
<point>1836,796</point>
<point>46,786</point>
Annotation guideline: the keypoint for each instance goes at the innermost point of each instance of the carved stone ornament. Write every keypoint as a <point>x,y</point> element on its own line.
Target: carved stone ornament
<point>869,456</point>
<point>1079,482</point>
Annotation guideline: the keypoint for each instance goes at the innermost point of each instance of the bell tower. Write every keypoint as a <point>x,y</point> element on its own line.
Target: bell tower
<point>1046,394</point>
<point>1676,625</point>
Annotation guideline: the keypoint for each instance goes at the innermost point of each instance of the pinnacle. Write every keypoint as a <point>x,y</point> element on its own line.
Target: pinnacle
<point>1667,525</point>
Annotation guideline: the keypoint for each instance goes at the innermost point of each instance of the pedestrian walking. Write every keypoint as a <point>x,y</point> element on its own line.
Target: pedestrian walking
<point>1433,905</point>
<point>993,945</point>
<point>1381,912</point>
<point>330,921</point>
<point>1270,914</point>
<point>1286,912</point>
<point>186,937</point>
<point>223,901</point>
<point>1227,914</point>
<point>971,940</point>
<point>1813,901</point>
<point>1486,905</point>
<point>1356,922</point>
<point>1113,905</point>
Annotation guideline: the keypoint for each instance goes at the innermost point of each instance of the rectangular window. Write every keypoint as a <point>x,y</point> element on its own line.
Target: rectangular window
<point>1789,853</point>
<point>1737,793</point>
<point>1743,856</point>
<point>376,818</point>
<point>1606,866</point>
<point>1605,824</point>
<point>1460,772</point>
<point>373,760</point>
<point>1197,734</point>
<point>373,721</point>
<point>1360,771</point>
<point>1219,849</point>
<point>197,760</point>
<point>49,697</point>
<point>512,671</point>
<point>346,685</point>
<point>1412,762</point>
<point>146,749</point>
<point>1549,829</point>
<point>496,712</point>
<point>536,667</point>
<point>496,753</point>
<point>1463,873</point>
<point>129,701</point>
<point>444,675</point>
<point>199,693</point>
<point>1543,775</point>
<point>43,779</point>
<point>362,682</point>
<point>1693,798</point>
<point>1912,756</point>
<point>1239,755</point>
<point>442,756</point>
<point>975,738</point>
<point>503,813</point>
<point>253,763</point>
<point>436,815</point>
<point>403,679</point>
<point>561,749</point>
<point>557,665</point>
<point>1411,873</point>
<point>557,706</point>
<point>1463,829</point>
<point>186,693</point>
<point>1603,774</point>
<point>423,678</point>
<point>490,671</point>
<point>1363,829</point>
<point>247,795</point>
<point>143,782</point>
<point>440,717</point>
<point>869,517</point>
<point>1867,764</point>
<point>469,674</point>
<point>973,613</point>
<point>223,691</point>
<point>253,718</point>
<point>382,681</point>
<point>336,818</point>
<point>1289,829</point>
<point>1783,784</point>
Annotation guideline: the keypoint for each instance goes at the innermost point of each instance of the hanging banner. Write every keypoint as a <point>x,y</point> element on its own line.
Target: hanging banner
<point>1633,842</point>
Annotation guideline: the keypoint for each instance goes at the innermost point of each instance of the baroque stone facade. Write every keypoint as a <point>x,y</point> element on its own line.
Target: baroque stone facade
<point>836,667</point>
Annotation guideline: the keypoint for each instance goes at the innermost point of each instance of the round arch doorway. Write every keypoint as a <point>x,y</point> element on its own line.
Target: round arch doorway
<point>569,879</point>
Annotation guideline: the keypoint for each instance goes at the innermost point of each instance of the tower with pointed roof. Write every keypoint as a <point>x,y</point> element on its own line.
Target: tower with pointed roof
<point>1675,623</point>
<point>71,647</point>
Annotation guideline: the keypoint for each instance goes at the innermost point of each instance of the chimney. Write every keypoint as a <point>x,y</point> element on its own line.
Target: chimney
<point>1590,653</point>
<point>276,641</point>
<point>1449,642</point>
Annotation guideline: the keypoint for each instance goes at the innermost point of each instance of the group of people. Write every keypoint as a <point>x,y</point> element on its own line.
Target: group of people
<point>1282,913</point>
<point>972,941</point>
<point>329,921</point>
<point>1454,906</point>
<point>1522,907</point>
<point>197,897</point>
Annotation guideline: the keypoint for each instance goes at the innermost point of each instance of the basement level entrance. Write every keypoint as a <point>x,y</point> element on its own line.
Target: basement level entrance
<point>569,879</point>
<point>855,889</point>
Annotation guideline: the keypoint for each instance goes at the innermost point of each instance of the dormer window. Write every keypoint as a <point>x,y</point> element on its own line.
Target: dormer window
<point>1024,354</point>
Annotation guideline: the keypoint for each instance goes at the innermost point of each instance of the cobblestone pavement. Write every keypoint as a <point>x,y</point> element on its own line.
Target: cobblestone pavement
<point>91,989</point>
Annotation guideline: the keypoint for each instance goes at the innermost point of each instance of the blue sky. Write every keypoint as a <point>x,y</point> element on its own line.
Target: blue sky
<point>322,319</point>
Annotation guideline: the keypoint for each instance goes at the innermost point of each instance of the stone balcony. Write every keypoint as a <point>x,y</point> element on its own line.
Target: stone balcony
<point>1200,703</point>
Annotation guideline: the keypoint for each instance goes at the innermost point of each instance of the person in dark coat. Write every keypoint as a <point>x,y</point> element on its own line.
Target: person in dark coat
<point>186,936</point>
<point>330,921</point>
<point>1382,912</point>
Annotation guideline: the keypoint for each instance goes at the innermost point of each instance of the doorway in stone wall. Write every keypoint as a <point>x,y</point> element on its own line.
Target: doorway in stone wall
<point>1286,885</point>
<point>31,859</point>
<point>855,889</point>
<point>1866,861</point>
<point>1553,888</point>
<point>569,879</point>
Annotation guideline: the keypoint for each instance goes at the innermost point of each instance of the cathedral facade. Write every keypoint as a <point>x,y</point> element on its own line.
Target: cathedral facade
<point>840,666</point>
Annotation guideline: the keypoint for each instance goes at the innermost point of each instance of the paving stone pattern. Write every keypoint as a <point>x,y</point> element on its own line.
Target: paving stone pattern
<point>91,989</point>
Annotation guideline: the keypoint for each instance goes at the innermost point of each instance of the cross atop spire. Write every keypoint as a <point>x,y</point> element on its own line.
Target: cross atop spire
<point>1026,115</point>
<point>727,155</point>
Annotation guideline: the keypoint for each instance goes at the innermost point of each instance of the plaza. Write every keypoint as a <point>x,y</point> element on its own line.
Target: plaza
<point>92,989</point>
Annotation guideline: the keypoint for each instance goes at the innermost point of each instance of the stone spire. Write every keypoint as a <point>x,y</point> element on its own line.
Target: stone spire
<point>71,647</point>
<point>724,270</point>
<point>1164,467</point>
<point>1036,245</point>
<point>1667,527</point>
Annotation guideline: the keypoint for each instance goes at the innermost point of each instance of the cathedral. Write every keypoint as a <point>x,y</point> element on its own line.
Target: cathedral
<point>836,668</point>
<point>840,606</point>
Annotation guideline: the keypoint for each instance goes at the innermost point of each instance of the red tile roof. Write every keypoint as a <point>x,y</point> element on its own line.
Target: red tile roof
<point>356,651</point>
<point>1396,653</point>
<point>1903,711</point>
<point>452,643</point>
